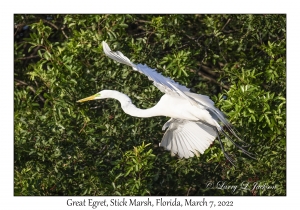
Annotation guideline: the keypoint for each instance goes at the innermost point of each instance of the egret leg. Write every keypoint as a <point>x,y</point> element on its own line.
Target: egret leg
<point>238,146</point>
<point>222,147</point>
<point>234,131</point>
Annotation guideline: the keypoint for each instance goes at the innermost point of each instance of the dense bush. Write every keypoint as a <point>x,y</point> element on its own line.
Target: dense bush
<point>65,148</point>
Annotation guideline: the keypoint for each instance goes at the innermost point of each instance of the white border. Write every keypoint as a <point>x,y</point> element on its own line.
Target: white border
<point>8,201</point>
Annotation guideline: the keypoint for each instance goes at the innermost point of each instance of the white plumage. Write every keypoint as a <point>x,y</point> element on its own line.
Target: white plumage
<point>195,121</point>
<point>187,138</point>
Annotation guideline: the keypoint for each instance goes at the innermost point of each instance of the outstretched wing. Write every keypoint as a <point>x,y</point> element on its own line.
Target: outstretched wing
<point>164,84</point>
<point>187,138</point>
<point>169,86</point>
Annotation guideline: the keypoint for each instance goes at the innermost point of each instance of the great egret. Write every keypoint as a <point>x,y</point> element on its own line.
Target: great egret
<point>194,122</point>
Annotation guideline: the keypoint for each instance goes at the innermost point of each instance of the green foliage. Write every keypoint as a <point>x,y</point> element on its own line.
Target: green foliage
<point>134,172</point>
<point>65,148</point>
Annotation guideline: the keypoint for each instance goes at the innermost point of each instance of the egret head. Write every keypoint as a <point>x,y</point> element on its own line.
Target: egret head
<point>101,95</point>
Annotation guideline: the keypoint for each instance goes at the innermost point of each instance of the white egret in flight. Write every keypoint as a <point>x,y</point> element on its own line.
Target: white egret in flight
<point>195,121</point>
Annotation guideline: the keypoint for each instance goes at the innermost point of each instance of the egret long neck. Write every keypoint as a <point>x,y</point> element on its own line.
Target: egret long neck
<point>131,109</point>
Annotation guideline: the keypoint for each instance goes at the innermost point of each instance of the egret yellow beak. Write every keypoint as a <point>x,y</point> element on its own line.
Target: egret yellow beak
<point>88,98</point>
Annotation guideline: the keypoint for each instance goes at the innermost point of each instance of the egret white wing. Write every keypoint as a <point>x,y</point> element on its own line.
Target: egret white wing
<point>169,86</point>
<point>164,84</point>
<point>187,138</point>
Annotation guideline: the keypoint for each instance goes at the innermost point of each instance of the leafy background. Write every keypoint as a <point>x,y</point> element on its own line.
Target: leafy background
<point>65,148</point>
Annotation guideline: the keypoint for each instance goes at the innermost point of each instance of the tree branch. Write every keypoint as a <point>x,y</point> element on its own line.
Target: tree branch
<point>29,57</point>
<point>208,70</point>
<point>211,79</point>
<point>56,27</point>
<point>226,24</point>
<point>19,82</point>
